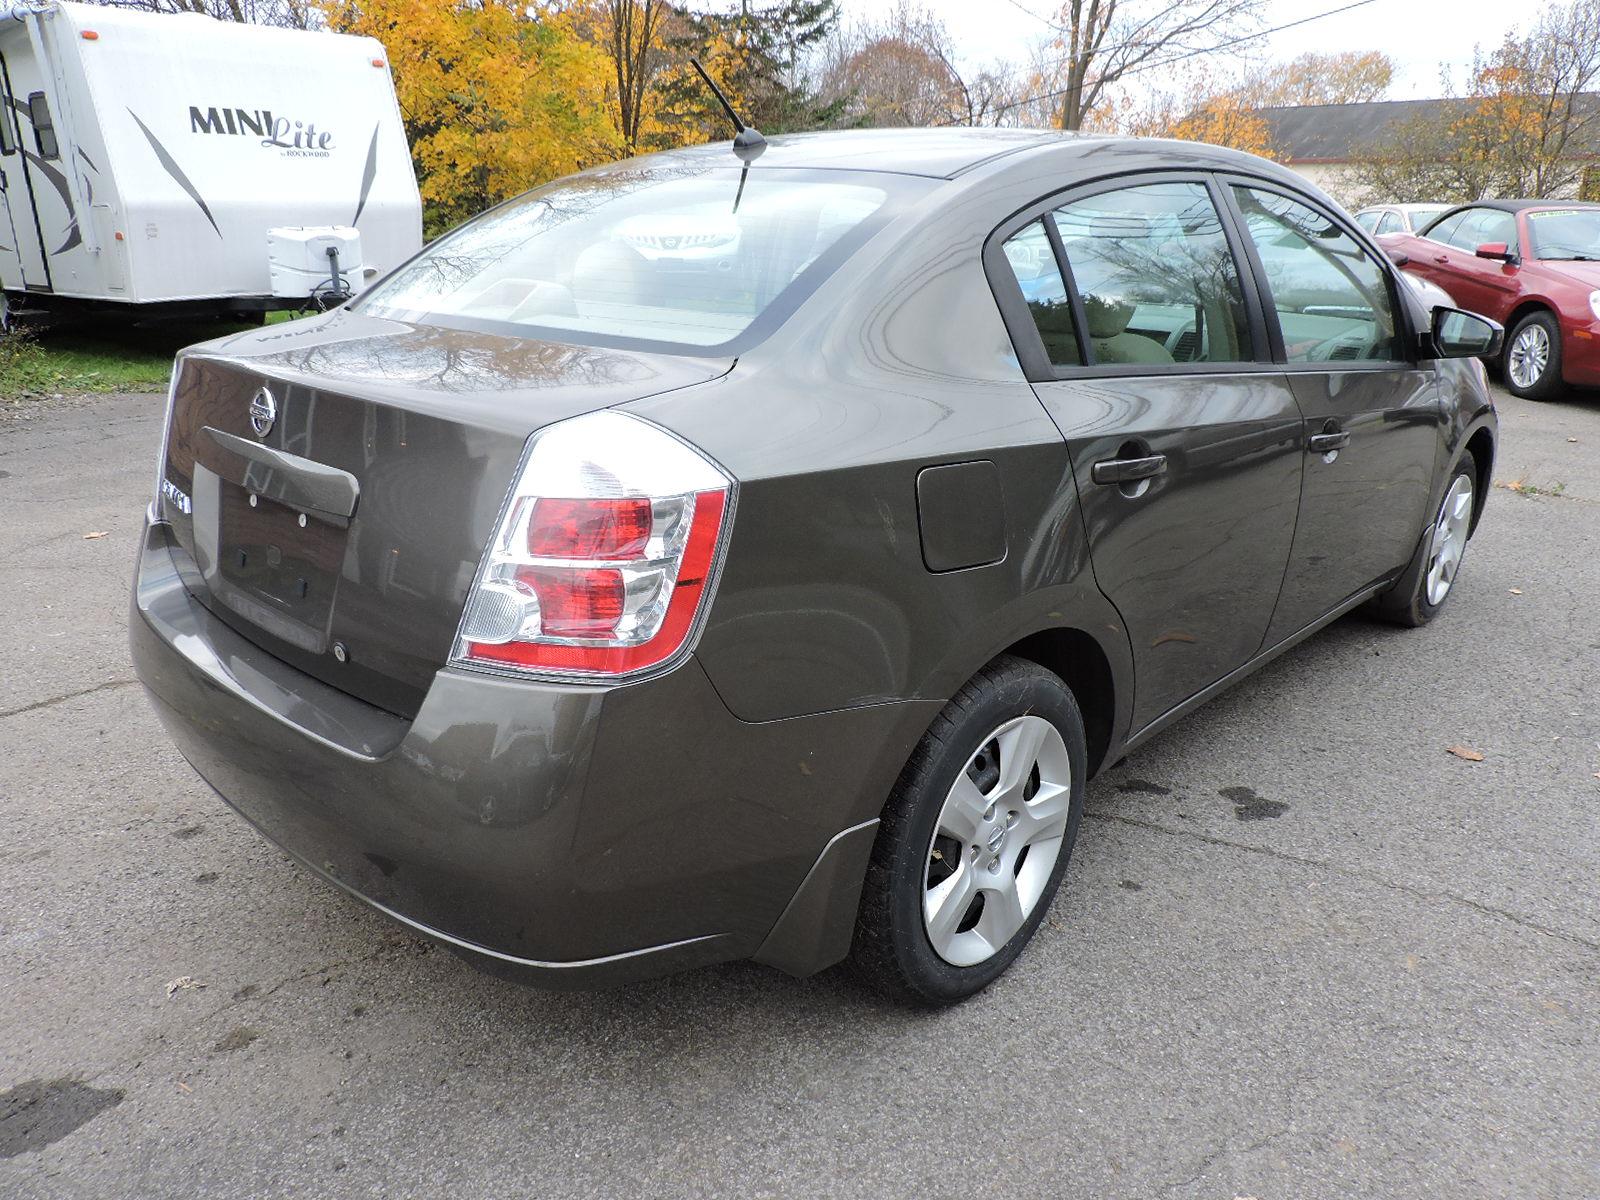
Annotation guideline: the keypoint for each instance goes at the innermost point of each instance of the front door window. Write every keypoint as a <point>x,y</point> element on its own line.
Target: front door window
<point>1331,296</point>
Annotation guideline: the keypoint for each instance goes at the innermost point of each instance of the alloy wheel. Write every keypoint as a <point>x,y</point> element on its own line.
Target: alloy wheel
<point>997,840</point>
<point>1530,355</point>
<point>1449,539</point>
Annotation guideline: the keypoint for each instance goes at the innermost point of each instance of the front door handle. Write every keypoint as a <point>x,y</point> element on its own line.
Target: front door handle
<point>1128,470</point>
<point>1442,259</point>
<point>1327,443</point>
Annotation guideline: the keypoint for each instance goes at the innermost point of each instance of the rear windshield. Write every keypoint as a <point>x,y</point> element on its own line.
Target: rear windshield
<point>703,261</point>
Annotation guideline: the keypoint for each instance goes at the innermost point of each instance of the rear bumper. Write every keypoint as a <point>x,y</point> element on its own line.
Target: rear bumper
<point>579,836</point>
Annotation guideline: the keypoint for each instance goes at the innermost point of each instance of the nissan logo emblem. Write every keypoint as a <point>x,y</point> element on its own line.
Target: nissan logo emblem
<point>263,412</point>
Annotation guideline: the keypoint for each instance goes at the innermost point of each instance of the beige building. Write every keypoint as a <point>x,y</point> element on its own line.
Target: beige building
<point>1324,141</point>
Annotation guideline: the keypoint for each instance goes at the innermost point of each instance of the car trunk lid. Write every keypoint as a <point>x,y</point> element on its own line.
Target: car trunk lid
<point>332,488</point>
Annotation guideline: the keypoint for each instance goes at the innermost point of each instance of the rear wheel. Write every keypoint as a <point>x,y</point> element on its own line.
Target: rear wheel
<point>975,839</point>
<point>1532,357</point>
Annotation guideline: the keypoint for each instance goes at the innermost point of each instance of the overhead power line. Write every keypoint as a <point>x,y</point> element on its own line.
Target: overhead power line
<point>1188,54</point>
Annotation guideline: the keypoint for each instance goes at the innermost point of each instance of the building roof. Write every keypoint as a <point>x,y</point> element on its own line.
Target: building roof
<point>1337,133</point>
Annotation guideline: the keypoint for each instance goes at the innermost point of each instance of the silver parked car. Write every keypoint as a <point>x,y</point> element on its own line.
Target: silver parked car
<point>1398,218</point>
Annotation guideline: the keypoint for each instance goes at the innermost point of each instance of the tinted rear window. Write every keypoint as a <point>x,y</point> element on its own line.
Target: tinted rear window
<point>696,261</point>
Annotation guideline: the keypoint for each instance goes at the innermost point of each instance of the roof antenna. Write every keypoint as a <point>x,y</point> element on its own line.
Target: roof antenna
<point>747,140</point>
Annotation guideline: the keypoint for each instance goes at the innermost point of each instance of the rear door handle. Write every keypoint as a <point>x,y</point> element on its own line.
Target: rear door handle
<point>1326,443</point>
<point>1128,470</point>
<point>1441,258</point>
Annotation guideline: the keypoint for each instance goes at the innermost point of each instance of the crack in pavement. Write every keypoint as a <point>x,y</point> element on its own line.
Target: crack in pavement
<point>1478,906</point>
<point>171,1048</point>
<point>88,691</point>
<point>1207,1162</point>
<point>148,1052</point>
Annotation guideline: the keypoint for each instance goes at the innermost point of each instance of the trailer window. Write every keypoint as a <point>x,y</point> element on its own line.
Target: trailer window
<point>44,129</point>
<point>8,144</point>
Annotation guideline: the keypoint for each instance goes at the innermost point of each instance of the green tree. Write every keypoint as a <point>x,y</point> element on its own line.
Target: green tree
<point>757,54</point>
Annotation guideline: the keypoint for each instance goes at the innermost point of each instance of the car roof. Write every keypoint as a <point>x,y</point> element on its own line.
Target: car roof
<point>1524,205</point>
<point>935,153</point>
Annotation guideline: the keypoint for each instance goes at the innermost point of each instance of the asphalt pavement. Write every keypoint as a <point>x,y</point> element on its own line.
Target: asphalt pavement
<point>1302,951</point>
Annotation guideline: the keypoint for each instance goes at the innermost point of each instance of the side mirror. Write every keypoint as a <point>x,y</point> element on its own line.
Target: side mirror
<point>1400,258</point>
<point>1498,251</point>
<point>1460,334</point>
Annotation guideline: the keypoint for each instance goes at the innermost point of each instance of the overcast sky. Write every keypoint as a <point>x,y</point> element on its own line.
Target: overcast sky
<point>1417,34</point>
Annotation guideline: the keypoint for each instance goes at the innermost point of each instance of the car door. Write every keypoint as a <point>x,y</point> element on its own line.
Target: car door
<point>1452,254</point>
<point>1486,285</point>
<point>1373,417</point>
<point>1150,356</point>
<point>21,254</point>
<point>1428,252</point>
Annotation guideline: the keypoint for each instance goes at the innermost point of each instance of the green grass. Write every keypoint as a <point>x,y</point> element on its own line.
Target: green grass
<point>108,355</point>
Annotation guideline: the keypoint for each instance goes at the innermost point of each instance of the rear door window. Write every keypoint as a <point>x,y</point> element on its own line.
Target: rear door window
<point>1331,296</point>
<point>1033,262</point>
<point>1391,223</point>
<point>1157,280</point>
<point>44,129</point>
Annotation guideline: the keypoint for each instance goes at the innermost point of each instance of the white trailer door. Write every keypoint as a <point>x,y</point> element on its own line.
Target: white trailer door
<point>22,263</point>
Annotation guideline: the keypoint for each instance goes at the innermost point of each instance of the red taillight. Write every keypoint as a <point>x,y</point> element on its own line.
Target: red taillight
<point>606,584</point>
<point>606,528</point>
<point>576,602</point>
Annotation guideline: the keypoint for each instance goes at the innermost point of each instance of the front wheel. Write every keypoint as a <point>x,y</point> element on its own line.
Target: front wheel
<point>1427,583</point>
<point>1532,357</point>
<point>975,838</point>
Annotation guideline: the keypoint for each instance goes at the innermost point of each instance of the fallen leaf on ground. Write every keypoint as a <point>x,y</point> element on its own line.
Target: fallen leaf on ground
<point>98,533</point>
<point>1572,439</point>
<point>1467,753</point>
<point>183,983</point>
<point>1516,591</point>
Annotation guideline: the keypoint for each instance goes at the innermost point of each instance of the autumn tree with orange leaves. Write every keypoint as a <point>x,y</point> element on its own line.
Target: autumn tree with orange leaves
<point>1526,125</point>
<point>1226,110</point>
<point>496,96</point>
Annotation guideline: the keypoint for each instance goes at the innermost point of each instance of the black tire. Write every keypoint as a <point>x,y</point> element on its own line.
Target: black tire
<point>1546,385</point>
<point>892,951</point>
<point>1407,602</point>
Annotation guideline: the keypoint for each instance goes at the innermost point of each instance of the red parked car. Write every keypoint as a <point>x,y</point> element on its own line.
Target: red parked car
<point>1532,265</point>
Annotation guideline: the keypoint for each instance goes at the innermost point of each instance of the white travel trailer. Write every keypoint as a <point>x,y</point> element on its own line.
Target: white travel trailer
<point>179,164</point>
